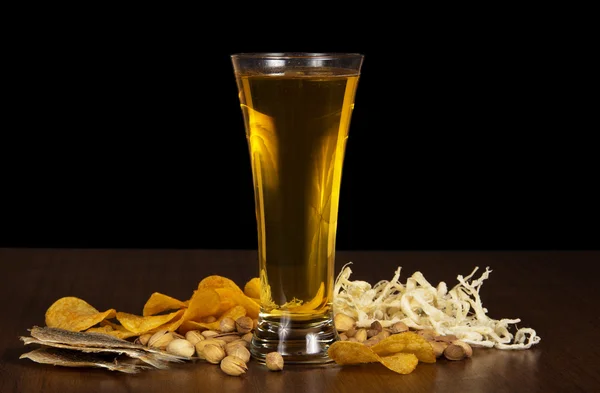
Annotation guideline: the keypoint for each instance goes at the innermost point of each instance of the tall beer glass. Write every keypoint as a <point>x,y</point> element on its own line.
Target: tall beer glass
<point>297,109</point>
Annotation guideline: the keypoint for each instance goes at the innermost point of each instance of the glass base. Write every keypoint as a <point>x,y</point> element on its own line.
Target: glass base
<point>298,341</point>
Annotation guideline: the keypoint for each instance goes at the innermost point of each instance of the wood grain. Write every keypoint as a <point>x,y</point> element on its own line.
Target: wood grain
<point>553,292</point>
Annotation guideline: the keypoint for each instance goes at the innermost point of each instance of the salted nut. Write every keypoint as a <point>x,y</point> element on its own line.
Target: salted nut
<point>233,365</point>
<point>160,339</point>
<point>227,325</point>
<point>210,333</point>
<point>274,361</point>
<point>236,343</point>
<point>213,353</point>
<point>181,347</point>
<point>427,334</point>
<point>240,352</point>
<point>398,327</point>
<point>458,350</point>
<point>374,329</point>
<point>343,322</point>
<point>193,336</point>
<point>447,338</point>
<point>361,335</point>
<point>247,337</point>
<point>351,332</point>
<point>143,339</point>
<point>244,324</point>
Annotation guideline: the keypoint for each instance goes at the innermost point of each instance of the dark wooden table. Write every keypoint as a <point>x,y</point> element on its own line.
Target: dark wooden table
<point>555,293</point>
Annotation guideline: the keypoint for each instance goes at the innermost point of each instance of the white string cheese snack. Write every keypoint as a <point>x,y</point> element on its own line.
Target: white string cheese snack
<point>420,305</point>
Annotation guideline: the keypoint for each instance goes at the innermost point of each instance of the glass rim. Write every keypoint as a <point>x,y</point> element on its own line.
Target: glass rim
<point>296,55</point>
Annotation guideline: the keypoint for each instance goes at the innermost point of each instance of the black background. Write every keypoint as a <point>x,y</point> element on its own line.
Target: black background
<point>130,135</point>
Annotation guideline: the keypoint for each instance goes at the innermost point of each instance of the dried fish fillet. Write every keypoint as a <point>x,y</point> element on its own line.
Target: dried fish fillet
<point>84,339</point>
<point>93,340</point>
<point>69,358</point>
<point>155,360</point>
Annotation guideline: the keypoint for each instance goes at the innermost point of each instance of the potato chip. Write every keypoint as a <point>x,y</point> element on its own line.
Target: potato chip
<point>349,352</point>
<point>353,353</point>
<point>402,363</point>
<point>171,326</point>
<point>204,302</point>
<point>230,298</point>
<point>234,313</point>
<point>141,325</point>
<point>217,282</point>
<point>252,288</point>
<point>407,342</point>
<point>159,302</point>
<point>72,313</point>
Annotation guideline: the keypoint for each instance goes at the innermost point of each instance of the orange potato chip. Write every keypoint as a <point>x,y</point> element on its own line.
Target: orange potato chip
<point>72,313</point>
<point>402,363</point>
<point>159,302</point>
<point>234,313</point>
<point>252,288</point>
<point>230,298</point>
<point>349,353</point>
<point>407,342</point>
<point>217,282</point>
<point>141,325</point>
<point>204,302</point>
<point>170,326</point>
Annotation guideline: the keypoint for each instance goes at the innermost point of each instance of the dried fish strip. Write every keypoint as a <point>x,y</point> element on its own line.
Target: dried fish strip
<point>69,358</point>
<point>155,360</point>
<point>92,340</point>
<point>84,339</point>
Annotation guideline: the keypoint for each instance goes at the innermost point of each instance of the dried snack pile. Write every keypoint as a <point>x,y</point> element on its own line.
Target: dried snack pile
<point>397,325</point>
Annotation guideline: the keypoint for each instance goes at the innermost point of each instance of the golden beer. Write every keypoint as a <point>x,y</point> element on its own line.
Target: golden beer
<point>296,121</point>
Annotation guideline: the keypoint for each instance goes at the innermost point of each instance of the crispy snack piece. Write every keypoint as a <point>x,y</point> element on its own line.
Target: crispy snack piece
<point>159,302</point>
<point>216,282</point>
<point>409,352</point>
<point>141,325</point>
<point>252,288</point>
<point>407,342</point>
<point>231,295</point>
<point>74,314</point>
<point>348,352</point>
<point>402,363</point>
<point>234,313</point>
<point>231,298</point>
<point>204,302</point>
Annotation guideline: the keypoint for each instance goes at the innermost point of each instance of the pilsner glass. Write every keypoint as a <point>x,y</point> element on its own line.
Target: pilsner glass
<point>297,109</point>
